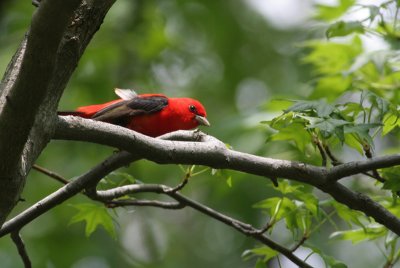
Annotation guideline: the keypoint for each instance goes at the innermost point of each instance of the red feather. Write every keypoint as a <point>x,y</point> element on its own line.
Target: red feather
<point>149,114</point>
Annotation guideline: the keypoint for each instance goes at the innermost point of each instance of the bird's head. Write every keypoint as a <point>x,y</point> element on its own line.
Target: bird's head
<point>199,112</point>
<point>192,110</point>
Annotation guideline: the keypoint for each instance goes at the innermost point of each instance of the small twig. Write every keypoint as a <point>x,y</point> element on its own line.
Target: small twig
<point>143,203</point>
<point>368,154</point>
<point>182,201</point>
<point>301,242</point>
<point>16,238</point>
<point>336,162</point>
<point>333,158</point>
<point>50,173</point>
<point>266,227</point>
<point>321,150</point>
<point>180,185</point>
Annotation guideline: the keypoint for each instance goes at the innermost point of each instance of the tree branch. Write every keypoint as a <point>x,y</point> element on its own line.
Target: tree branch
<point>88,179</point>
<point>16,238</point>
<point>209,151</point>
<point>184,201</point>
<point>145,203</point>
<point>213,153</point>
<point>50,174</point>
<point>352,168</point>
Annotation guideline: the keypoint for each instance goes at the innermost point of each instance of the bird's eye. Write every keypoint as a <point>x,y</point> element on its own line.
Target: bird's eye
<point>192,108</point>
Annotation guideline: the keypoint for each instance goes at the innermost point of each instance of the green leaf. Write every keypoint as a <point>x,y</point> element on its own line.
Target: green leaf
<point>352,142</point>
<point>329,13</point>
<point>390,121</point>
<point>373,11</point>
<point>329,260</point>
<point>342,28</point>
<point>303,219</point>
<point>371,232</point>
<point>94,215</point>
<point>351,109</point>
<point>278,207</point>
<point>260,264</point>
<point>322,108</point>
<point>295,132</point>
<point>362,131</point>
<point>329,58</point>
<point>331,87</point>
<point>375,101</point>
<point>392,176</point>
<point>310,201</point>
<point>285,187</point>
<point>349,215</point>
<point>223,174</point>
<point>266,253</point>
<point>328,126</point>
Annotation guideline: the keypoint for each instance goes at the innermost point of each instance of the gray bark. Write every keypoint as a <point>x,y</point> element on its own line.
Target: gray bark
<point>34,82</point>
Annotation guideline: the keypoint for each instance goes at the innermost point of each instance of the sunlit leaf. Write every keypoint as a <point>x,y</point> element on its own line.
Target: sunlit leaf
<point>277,207</point>
<point>390,122</point>
<point>331,87</point>
<point>352,142</point>
<point>362,131</point>
<point>310,201</point>
<point>266,253</point>
<point>325,12</point>
<point>329,58</point>
<point>285,187</point>
<point>343,28</point>
<point>370,232</point>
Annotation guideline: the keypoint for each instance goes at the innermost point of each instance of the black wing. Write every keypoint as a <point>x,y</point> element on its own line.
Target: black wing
<point>121,112</point>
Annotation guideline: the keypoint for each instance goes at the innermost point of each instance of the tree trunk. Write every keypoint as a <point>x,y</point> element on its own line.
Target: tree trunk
<point>34,82</point>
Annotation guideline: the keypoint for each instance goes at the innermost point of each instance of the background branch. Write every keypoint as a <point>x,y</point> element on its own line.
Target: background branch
<point>183,201</point>
<point>16,238</point>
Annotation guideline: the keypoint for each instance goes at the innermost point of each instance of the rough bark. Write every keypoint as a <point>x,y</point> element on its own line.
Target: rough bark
<point>214,154</point>
<point>34,82</point>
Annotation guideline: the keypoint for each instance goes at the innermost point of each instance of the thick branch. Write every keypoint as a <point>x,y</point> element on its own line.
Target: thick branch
<point>213,153</point>
<point>209,152</point>
<point>87,180</point>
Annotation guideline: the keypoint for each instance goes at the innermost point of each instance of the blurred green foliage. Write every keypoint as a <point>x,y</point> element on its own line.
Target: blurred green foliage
<point>305,90</point>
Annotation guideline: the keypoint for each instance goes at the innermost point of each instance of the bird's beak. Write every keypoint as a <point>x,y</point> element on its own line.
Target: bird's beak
<point>202,120</point>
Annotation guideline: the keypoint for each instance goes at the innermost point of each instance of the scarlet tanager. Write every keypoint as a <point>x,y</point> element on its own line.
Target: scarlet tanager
<point>149,114</point>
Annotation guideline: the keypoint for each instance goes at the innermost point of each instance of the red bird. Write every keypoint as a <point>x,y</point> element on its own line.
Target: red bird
<point>149,114</point>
